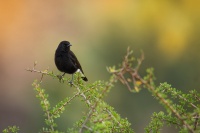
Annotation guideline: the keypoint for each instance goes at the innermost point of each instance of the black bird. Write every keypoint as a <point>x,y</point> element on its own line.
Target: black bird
<point>66,60</point>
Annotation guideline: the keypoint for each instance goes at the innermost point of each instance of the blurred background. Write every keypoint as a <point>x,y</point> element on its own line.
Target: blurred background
<point>100,31</point>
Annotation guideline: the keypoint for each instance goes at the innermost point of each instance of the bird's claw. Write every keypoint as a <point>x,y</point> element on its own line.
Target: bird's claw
<point>71,83</point>
<point>60,77</point>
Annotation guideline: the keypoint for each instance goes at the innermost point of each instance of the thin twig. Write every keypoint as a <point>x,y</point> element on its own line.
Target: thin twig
<point>187,101</point>
<point>93,107</point>
<point>126,68</point>
<point>196,121</point>
<point>46,107</point>
<point>86,120</point>
<point>113,117</point>
<point>165,102</point>
<point>82,94</point>
<point>74,96</point>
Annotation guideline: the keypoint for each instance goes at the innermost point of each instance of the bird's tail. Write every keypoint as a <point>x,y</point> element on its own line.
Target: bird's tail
<point>84,78</point>
<point>82,75</point>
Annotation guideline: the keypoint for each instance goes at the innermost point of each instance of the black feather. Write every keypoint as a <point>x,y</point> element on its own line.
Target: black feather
<point>66,61</point>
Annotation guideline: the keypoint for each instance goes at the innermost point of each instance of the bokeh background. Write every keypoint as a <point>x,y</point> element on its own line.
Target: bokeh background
<point>167,31</point>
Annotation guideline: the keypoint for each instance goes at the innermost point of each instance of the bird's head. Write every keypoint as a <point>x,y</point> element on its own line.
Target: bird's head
<point>64,46</point>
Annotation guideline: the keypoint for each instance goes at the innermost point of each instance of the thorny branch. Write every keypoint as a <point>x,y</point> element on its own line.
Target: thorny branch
<point>126,68</point>
<point>79,93</point>
<point>93,109</point>
<point>45,72</point>
<point>82,94</point>
<point>196,121</point>
<point>46,106</point>
<point>74,96</point>
<point>121,74</point>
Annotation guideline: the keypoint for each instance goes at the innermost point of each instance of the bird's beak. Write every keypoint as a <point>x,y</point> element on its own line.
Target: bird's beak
<point>69,45</point>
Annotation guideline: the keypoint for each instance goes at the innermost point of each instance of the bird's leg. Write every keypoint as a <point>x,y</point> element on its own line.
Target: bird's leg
<point>63,75</point>
<point>71,81</point>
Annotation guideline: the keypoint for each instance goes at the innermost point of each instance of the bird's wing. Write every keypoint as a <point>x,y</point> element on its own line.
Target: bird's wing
<point>75,61</point>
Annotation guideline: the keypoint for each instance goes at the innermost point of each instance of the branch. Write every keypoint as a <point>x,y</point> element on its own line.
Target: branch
<point>127,69</point>
<point>45,102</point>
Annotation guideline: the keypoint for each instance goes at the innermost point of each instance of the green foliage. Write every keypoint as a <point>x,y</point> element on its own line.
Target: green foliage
<point>12,129</point>
<point>182,110</point>
<point>100,116</point>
